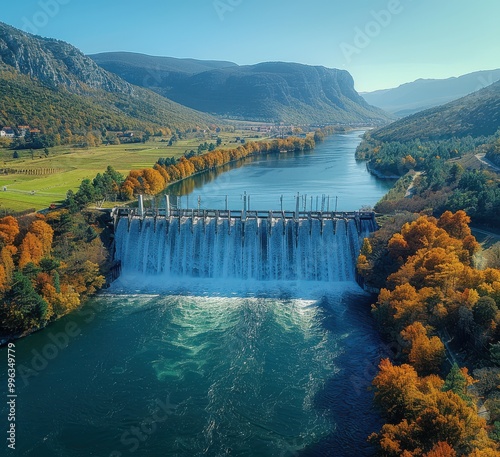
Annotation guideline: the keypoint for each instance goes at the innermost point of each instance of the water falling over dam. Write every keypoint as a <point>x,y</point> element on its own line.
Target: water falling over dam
<point>276,246</point>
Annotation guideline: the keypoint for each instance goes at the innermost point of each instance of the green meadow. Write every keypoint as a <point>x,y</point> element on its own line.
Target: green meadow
<point>41,181</point>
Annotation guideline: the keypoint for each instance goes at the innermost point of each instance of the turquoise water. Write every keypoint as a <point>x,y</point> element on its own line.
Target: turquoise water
<point>210,367</point>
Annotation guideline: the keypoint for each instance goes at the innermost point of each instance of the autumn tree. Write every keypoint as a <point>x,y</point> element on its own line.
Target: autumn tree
<point>44,233</point>
<point>31,250</point>
<point>9,229</point>
<point>425,354</point>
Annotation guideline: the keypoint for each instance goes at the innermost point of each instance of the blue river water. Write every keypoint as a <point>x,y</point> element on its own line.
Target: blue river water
<point>213,367</point>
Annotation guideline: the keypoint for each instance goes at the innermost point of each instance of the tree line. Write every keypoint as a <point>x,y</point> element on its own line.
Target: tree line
<point>111,185</point>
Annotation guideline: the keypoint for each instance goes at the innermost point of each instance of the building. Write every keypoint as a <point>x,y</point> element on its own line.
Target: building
<point>23,130</point>
<point>8,132</point>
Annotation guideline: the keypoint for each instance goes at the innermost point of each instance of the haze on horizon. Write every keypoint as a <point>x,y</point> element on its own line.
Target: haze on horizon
<point>382,43</point>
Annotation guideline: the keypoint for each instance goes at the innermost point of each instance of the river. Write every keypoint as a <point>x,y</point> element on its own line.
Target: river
<point>330,169</point>
<point>201,367</point>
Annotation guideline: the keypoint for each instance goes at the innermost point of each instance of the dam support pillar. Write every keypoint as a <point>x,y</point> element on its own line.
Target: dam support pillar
<point>141,206</point>
<point>167,206</point>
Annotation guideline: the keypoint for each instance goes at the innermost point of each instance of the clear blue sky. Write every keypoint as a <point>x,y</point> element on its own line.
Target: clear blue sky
<point>415,39</point>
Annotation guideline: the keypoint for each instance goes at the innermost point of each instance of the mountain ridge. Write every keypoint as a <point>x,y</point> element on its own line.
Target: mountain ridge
<point>268,91</point>
<point>53,66</point>
<point>422,94</point>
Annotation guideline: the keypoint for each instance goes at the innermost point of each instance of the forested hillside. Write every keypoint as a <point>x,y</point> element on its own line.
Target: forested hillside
<point>477,114</point>
<point>52,86</point>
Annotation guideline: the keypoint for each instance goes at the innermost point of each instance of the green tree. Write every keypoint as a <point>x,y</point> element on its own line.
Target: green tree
<point>23,308</point>
<point>495,353</point>
<point>457,383</point>
<point>485,311</point>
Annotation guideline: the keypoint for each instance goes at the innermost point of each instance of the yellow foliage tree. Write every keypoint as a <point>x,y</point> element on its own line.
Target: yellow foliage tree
<point>31,250</point>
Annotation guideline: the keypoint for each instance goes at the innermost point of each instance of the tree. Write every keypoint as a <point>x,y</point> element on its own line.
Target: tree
<point>441,449</point>
<point>458,381</point>
<point>71,202</point>
<point>31,250</point>
<point>485,311</point>
<point>9,229</point>
<point>85,194</point>
<point>495,353</point>
<point>44,233</point>
<point>23,308</point>
<point>395,389</point>
<point>457,225</point>
<point>366,249</point>
<point>426,354</point>
<point>319,136</point>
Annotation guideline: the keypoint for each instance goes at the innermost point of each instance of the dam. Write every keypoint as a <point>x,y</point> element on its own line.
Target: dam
<point>225,244</point>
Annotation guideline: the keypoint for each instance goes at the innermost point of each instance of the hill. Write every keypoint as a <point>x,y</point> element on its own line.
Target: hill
<point>41,76</point>
<point>272,91</point>
<point>422,94</point>
<point>475,115</point>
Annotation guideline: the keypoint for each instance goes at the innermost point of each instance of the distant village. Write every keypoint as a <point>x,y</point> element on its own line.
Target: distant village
<point>20,132</point>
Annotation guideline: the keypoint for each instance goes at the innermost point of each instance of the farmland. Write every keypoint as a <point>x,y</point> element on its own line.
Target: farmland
<point>38,181</point>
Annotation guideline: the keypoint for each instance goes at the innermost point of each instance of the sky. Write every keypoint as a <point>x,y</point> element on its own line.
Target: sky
<point>382,43</point>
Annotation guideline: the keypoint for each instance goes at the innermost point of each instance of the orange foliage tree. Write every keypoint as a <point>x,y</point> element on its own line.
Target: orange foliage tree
<point>9,229</point>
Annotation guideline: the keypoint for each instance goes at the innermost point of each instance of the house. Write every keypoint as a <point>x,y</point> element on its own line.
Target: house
<point>23,130</point>
<point>127,134</point>
<point>8,132</point>
<point>35,132</point>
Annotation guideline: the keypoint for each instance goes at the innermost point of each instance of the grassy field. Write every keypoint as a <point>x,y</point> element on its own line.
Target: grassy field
<point>44,180</point>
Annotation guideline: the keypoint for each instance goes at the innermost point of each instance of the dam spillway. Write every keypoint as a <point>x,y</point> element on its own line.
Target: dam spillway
<point>255,245</point>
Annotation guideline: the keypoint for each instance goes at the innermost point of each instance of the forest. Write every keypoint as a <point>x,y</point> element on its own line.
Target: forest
<point>434,303</point>
<point>444,175</point>
<point>49,265</point>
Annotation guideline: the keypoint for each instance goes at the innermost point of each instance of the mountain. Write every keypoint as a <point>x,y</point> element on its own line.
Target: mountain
<point>426,93</point>
<point>117,62</point>
<point>272,91</point>
<point>57,74</point>
<point>477,114</point>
